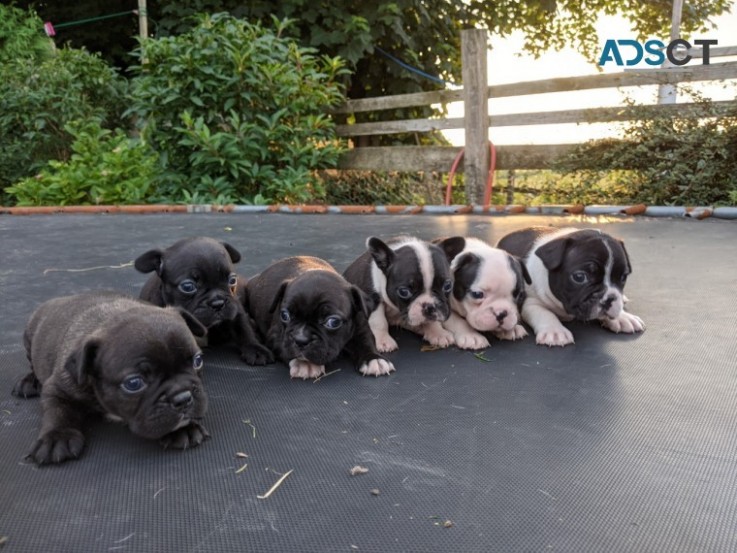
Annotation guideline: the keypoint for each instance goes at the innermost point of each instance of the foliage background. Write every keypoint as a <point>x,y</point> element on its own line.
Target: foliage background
<point>62,120</point>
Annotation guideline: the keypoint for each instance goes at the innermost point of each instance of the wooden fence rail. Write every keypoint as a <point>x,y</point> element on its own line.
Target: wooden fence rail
<point>438,158</point>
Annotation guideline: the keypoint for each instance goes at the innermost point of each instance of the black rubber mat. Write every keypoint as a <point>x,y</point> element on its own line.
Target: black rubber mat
<point>616,443</point>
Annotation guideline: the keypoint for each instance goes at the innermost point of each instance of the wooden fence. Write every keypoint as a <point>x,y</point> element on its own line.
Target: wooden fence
<point>476,121</point>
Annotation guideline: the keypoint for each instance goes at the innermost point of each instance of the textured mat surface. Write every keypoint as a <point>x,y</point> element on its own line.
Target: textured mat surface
<point>616,443</point>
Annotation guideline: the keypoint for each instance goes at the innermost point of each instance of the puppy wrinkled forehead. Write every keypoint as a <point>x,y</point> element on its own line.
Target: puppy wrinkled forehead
<point>321,288</point>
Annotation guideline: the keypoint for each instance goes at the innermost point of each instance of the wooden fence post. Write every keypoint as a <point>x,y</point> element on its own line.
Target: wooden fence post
<point>476,112</point>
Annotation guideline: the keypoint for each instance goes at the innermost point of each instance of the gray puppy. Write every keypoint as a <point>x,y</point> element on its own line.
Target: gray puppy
<point>197,274</point>
<point>102,352</point>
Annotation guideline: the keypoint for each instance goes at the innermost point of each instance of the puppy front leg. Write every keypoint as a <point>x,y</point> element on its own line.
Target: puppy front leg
<point>380,329</point>
<point>626,323</point>
<point>517,333</point>
<point>61,436</point>
<point>191,435</point>
<point>301,368</point>
<point>253,351</point>
<point>434,333</point>
<point>549,331</point>
<point>362,350</point>
<point>465,336</point>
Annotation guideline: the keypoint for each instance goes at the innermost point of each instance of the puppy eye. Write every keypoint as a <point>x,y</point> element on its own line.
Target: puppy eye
<point>197,361</point>
<point>285,316</point>
<point>404,292</point>
<point>232,279</point>
<point>447,287</point>
<point>133,384</point>
<point>623,279</point>
<point>476,294</point>
<point>187,287</point>
<point>333,323</point>
<point>579,277</point>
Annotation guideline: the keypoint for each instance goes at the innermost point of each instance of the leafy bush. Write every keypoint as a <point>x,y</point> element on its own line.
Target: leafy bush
<point>237,112</point>
<point>666,160</point>
<point>105,167</point>
<point>39,99</point>
<point>21,36</point>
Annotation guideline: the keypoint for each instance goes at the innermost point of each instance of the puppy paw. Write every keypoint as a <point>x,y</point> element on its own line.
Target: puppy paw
<point>188,436</point>
<point>626,323</point>
<point>57,446</point>
<point>556,336</point>
<point>300,368</point>
<point>385,343</point>
<point>470,340</point>
<point>517,333</point>
<point>436,335</point>
<point>376,367</point>
<point>27,386</point>
<point>256,354</point>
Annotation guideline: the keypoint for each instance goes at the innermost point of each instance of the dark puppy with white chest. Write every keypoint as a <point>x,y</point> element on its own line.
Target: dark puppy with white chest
<point>409,283</point>
<point>104,353</point>
<point>488,292</point>
<point>309,315</point>
<point>197,274</point>
<point>576,275</point>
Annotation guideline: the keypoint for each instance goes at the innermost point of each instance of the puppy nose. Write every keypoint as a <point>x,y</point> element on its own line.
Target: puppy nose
<point>217,303</point>
<point>501,315</point>
<point>428,310</point>
<point>608,301</point>
<point>301,338</point>
<point>182,400</point>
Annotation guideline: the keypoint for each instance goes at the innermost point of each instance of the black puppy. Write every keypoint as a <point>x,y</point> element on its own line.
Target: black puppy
<point>110,354</point>
<point>197,274</point>
<point>309,314</point>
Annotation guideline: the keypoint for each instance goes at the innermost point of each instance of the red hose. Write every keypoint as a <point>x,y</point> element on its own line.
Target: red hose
<point>489,178</point>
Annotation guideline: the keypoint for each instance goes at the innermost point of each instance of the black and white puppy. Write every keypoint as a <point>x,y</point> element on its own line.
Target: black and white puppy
<point>409,283</point>
<point>197,274</point>
<point>309,315</point>
<point>110,354</point>
<point>576,275</point>
<point>488,292</point>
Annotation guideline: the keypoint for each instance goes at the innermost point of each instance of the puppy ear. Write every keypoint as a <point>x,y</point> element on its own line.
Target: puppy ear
<point>519,268</point>
<point>279,296</point>
<point>452,246</point>
<point>464,260</point>
<point>192,322</point>
<point>552,253</point>
<point>152,260</point>
<point>626,256</point>
<point>359,301</point>
<point>81,363</point>
<point>462,265</point>
<point>235,255</point>
<point>383,255</point>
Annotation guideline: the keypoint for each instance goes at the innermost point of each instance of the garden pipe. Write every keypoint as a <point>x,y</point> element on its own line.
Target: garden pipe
<point>489,178</point>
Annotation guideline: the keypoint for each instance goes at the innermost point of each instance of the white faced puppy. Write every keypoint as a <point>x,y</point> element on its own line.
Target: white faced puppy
<point>104,353</point>
<point>309,315</point>
<point>576,275</point>
<point>409,282</point>
<point>488,292</point>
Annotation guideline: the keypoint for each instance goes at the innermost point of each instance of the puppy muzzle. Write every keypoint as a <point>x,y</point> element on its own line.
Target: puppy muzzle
<point>608,306</point>
<point>215,309</point>
<point>171,410</point>
<point>421,312</point>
